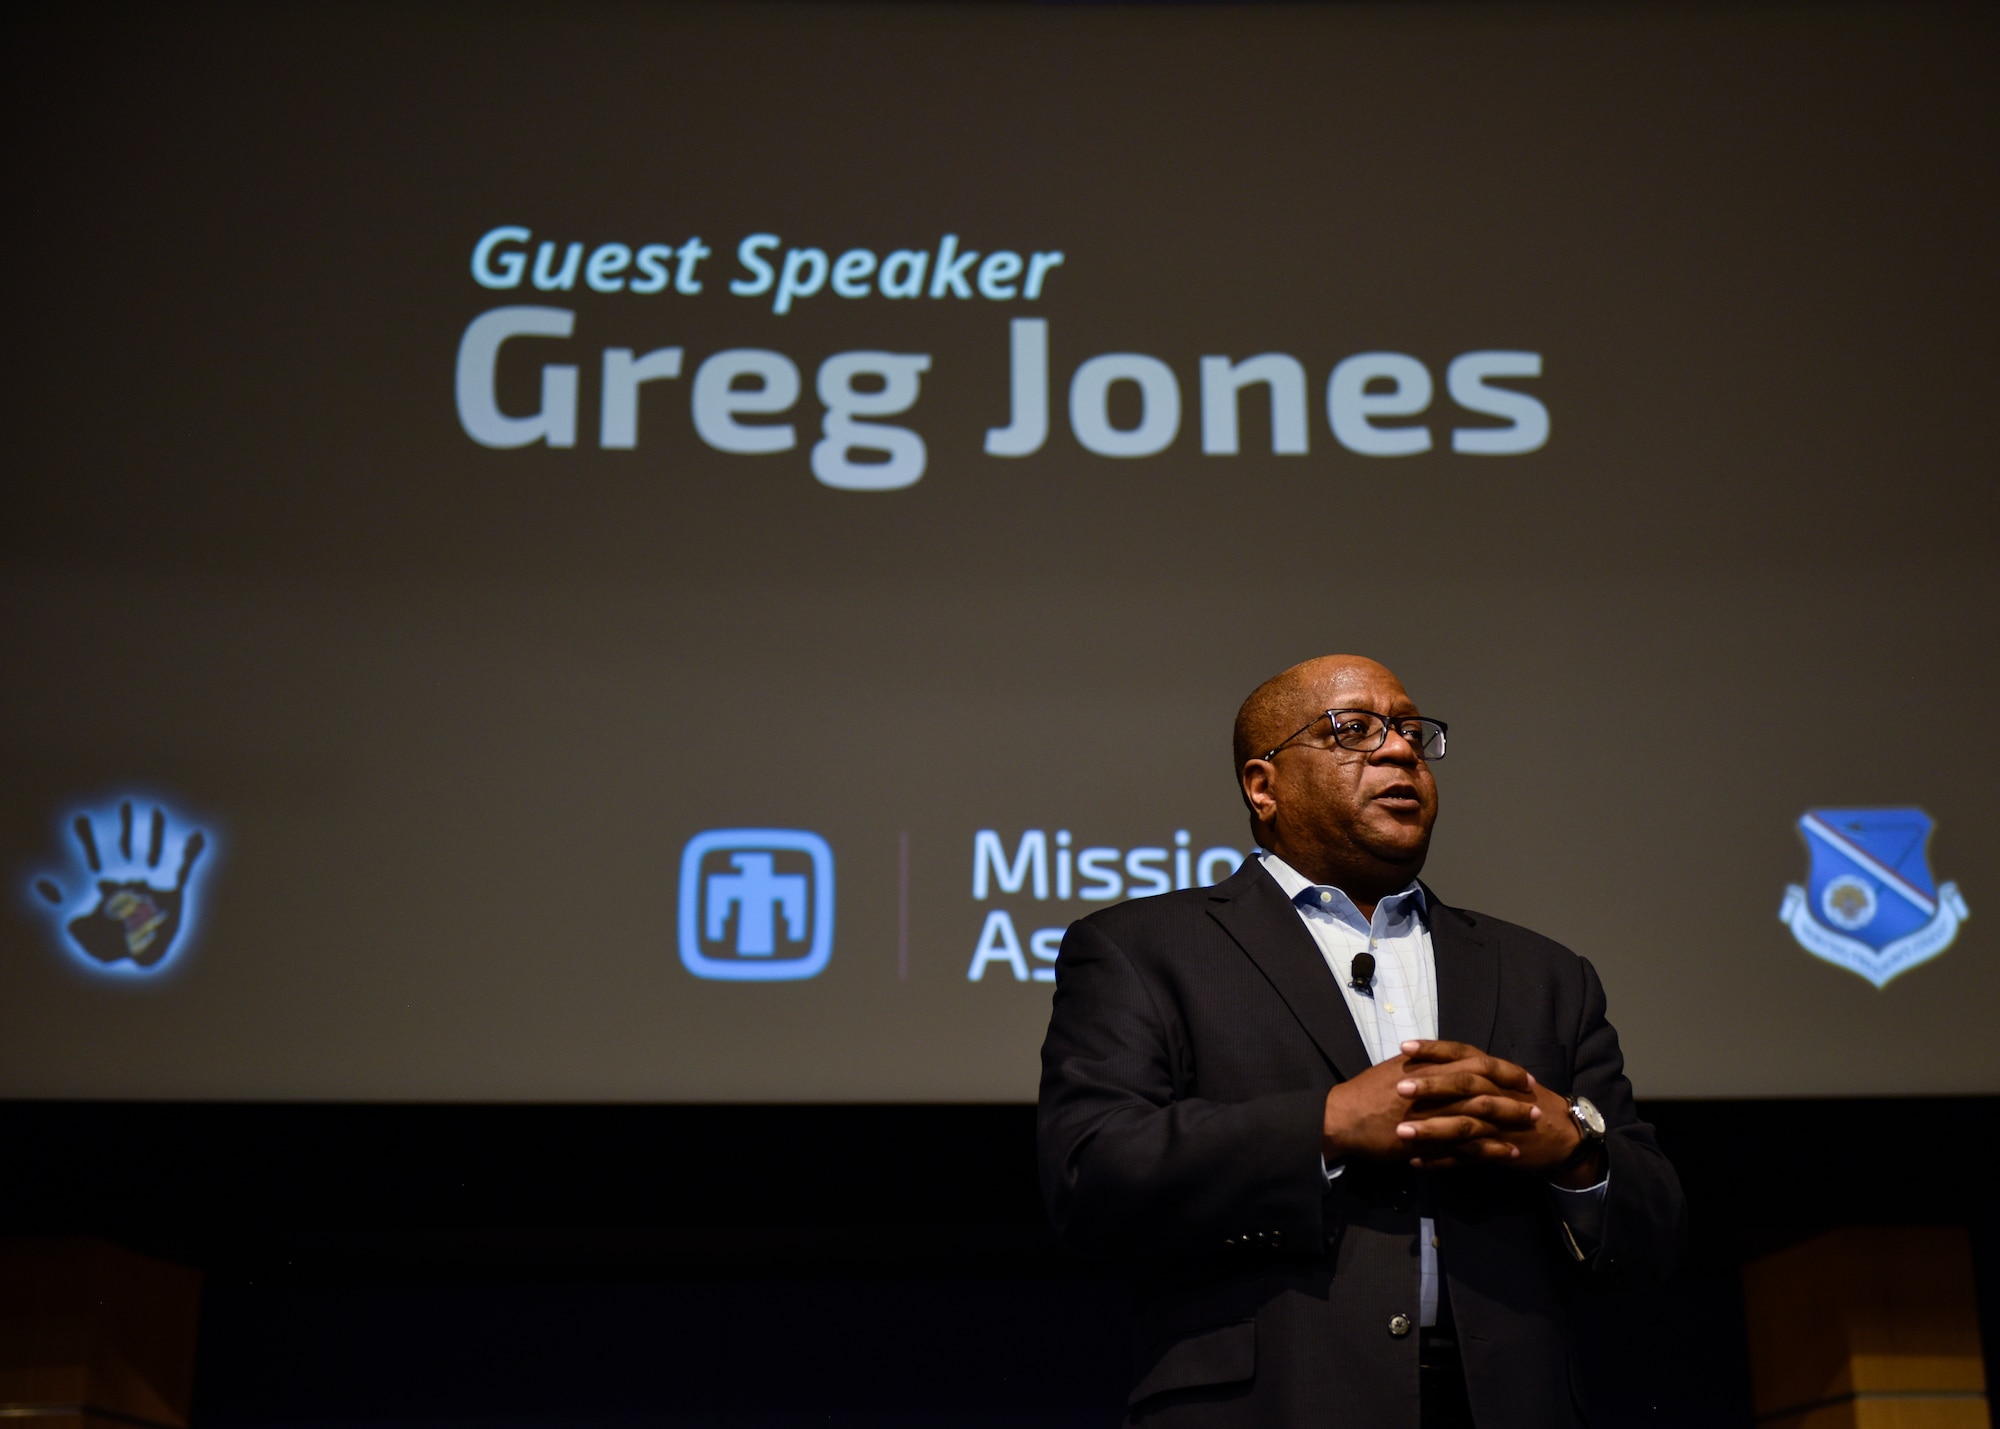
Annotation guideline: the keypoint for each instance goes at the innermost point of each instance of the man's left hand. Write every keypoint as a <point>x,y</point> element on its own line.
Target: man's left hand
<point>1459,1086</point>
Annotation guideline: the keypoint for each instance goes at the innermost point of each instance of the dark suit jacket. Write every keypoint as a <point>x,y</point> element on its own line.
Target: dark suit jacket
<point>1193,1040</point>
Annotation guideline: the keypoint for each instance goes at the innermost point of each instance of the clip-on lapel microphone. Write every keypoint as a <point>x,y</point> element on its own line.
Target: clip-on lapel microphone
<point>1364,971</point>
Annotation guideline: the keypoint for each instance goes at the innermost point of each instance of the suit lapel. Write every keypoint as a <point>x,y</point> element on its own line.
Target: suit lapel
<point>1468,976</point>
<point>1254,911</point>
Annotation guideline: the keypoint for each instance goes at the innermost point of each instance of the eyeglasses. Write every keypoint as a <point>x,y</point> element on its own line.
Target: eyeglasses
<point>1364,731</point>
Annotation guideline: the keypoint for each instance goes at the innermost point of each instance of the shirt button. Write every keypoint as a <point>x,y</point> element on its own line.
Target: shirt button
<point>1399,1325</point>
<point>1326,898</point>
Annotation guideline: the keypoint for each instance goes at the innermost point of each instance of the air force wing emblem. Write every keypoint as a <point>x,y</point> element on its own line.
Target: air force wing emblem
<point>1870,904</point>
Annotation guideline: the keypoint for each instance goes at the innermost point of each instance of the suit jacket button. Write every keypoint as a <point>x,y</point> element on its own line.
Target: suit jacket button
<point>1277,1238</point>
<point>1402,1201</point>
<point>1399,1325</point>
<point>1232,1242</point>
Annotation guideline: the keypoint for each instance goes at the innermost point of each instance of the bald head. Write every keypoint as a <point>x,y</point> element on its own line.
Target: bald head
<point>1289,698</point>
<point>1359,819</point>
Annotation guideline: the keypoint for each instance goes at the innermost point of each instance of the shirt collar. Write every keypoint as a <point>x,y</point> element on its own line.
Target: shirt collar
<point>1334,902</point>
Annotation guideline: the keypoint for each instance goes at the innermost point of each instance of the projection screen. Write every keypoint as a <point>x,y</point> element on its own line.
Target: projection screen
<point>649,553</point>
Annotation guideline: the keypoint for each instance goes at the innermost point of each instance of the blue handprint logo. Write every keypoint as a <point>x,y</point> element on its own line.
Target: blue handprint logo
<point>121,917</point>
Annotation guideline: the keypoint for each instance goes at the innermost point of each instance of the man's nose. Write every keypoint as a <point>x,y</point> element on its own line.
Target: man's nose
<point>1398,750</point>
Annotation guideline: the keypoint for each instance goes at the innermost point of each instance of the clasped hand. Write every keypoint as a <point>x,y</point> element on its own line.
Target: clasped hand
<point>1445,1104</point>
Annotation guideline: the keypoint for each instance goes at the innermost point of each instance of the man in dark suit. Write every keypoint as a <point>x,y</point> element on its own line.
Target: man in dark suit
<point>1365,1148</point>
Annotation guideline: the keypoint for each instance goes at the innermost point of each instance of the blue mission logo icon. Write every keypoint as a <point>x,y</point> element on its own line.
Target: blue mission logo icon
<point>130,901</point>
<point>1870,904</point>
<point>756,905</point>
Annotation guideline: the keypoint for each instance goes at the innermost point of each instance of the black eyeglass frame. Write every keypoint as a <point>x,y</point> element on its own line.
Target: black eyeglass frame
<point>1388,722</point>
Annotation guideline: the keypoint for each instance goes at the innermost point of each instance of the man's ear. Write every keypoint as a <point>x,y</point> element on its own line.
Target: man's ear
<point>1256,776</point>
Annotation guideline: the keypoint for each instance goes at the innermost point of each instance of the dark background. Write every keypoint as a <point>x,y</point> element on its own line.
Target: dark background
<point>824,1265</point>
<point>454,712</point>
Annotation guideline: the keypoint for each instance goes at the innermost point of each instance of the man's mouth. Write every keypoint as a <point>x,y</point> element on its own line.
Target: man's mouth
<point>1400,796</point>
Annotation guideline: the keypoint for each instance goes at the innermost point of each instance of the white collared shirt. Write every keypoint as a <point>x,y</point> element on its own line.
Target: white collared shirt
<point>1397,1005</point>
<point>1400,1002</point>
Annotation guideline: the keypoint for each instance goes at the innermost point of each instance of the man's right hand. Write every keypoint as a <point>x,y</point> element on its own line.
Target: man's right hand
<point>1461,1113</point>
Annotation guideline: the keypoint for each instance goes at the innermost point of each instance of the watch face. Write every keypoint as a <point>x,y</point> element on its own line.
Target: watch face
<point>1588,1114</point>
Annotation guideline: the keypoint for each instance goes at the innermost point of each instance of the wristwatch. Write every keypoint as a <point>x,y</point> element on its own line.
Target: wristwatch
<point>1589,1127</point>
